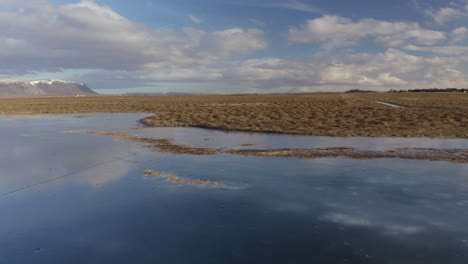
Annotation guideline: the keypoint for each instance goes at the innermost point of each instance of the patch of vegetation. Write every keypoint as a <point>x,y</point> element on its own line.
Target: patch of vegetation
<point>173,178</point>
<point>433,90</point>
<point>360,91</point>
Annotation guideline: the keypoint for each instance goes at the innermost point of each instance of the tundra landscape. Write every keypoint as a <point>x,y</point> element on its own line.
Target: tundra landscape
<point>221,131</point>
<point>331,114</point>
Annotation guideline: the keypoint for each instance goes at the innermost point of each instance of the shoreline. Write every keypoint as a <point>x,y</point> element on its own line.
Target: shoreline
<point>166,145</point>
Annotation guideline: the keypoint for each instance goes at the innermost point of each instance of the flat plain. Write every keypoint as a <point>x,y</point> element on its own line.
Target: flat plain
<point>333,114</point>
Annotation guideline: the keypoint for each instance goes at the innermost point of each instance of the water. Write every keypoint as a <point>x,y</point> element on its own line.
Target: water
<point>390,104</point>
<point>75,198</point>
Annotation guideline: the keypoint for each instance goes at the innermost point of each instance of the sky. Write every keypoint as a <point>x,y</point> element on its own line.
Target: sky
<point>237,46</point>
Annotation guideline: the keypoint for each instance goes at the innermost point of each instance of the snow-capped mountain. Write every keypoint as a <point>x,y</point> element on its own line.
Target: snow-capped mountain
<point>43,88</point>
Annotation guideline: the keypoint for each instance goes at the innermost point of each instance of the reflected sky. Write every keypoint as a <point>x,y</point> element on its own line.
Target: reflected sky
<point>35,149</point>
<point>280,210</point>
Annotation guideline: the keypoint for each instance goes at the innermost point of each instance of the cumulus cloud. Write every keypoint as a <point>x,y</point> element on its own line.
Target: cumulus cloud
<point>446,77</point>
<point>459,34</point>
<point>115,52</point>
<point>376,70</point>
<point>455,10</point>
<point>445,14</point>
<point>336,69</point>
<point>444,74</point>
<point>88,35</point>
<point>226,43</point>
<point>446,50</point>
<point>335,31</point>
<point>391,69</point>
<point>387,79</point>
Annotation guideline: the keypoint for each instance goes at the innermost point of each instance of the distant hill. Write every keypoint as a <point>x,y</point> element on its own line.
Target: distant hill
<point>433,90</point>
<point>168,93</point>
<point>43,88</point>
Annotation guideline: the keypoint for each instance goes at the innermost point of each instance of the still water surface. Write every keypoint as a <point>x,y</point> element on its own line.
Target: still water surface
<point>77,198</point>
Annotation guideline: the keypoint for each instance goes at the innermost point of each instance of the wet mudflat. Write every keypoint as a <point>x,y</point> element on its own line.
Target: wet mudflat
<point>85,198</point>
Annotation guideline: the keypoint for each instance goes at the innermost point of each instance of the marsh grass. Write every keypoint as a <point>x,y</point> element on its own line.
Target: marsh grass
<point>426,114</point>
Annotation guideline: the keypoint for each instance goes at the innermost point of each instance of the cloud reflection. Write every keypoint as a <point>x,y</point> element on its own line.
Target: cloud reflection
<point>105,174</point>
<point>362,221</point>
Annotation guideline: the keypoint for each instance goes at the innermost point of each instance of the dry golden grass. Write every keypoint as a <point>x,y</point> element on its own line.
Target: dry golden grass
<point>168,146</point>
<point>427,114</point>
<point>451,155</point>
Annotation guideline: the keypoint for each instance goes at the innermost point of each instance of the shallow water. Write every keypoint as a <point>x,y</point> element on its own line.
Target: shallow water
<point>390,104</point>
<point>77,198</point>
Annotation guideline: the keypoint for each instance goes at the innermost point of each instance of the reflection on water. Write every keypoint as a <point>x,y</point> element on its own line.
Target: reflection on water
<point>282,210</point>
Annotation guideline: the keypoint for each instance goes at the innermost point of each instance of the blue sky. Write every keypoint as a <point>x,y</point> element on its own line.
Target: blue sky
<point>227,46</point>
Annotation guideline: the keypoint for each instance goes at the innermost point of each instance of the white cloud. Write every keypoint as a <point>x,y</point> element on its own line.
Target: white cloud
<point>195,19</point>
<point>446,77</point>
<point>26,6</point>
<point>382,71</point>
<point>387,79</point>
<point>335,31</point>
<point>115,52</point>
<point>227,43</point>
<point>378,70</point>
<point>446,14</point>
<point>444,74</point>
<point>87,35</point>
<point>459,34</point>
<point>446,50</point>
<point>391,69</point>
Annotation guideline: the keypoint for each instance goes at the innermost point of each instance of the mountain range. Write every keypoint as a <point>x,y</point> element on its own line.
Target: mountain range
<point>43,88</point>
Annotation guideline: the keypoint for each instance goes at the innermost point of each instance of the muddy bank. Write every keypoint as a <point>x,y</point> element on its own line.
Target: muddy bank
<point>168,146</point>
